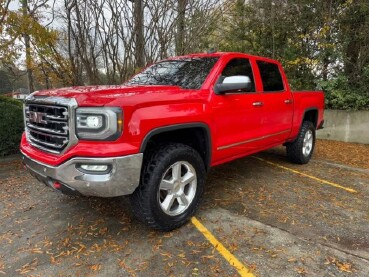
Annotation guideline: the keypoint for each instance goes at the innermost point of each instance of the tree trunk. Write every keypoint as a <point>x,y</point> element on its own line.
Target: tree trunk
<point>181,27</point>
<point>139,33</point>
<point>27,44</point>
<point>327,53</point>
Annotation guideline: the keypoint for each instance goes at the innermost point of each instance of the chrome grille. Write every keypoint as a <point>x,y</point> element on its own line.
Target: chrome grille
<point>47,126</point>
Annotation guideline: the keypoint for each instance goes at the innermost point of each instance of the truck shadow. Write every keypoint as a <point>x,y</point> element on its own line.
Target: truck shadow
<point>227,185</point>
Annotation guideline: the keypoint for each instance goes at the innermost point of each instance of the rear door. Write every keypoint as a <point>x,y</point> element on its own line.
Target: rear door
<point>277,101</point>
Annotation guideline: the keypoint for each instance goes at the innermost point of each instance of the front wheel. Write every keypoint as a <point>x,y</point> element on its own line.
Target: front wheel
<point>301,150</point>
<point>171,186</point>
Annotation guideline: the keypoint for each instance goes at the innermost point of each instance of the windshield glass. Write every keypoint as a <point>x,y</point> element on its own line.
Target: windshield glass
<point>187,73</point>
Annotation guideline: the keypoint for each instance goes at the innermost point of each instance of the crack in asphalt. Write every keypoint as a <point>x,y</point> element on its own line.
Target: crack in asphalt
<point>362,170</point>
<point>310,240</point>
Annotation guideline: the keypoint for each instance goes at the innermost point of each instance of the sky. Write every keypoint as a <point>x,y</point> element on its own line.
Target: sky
<point>14,5</point>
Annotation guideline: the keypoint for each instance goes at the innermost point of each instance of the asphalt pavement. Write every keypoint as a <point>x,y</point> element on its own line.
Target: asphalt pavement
<point>260,216</point>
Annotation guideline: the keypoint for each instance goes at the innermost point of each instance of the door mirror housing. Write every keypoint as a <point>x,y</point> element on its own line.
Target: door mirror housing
<point>233,84</point>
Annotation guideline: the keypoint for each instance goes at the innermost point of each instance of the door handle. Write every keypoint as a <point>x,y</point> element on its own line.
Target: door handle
<point>288,101</point>
<point>258,104</point>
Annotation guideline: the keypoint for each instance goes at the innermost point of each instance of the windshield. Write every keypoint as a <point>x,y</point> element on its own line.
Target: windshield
<point>187,73</point>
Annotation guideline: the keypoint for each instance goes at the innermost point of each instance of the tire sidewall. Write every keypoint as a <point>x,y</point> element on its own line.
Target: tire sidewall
<point>154,184</point>
<point>307,125</point>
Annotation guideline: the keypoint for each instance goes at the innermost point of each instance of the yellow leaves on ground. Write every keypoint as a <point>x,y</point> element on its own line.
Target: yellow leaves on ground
<point>301,270</point>
<point>28,267</point>
<point>37,250</point>
<point>95,267</point>
<point>133,272</point>
<point>355,154</point>
<point>2,267</point>
<point>344,267</point>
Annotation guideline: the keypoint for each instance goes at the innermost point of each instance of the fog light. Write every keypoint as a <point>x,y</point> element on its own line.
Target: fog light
<point>94,167</point>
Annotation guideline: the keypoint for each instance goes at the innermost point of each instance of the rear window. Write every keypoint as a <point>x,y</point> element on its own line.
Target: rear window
<point>271,76</point>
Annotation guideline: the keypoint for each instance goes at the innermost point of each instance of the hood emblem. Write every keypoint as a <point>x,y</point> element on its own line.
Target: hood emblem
<point>37,117</point>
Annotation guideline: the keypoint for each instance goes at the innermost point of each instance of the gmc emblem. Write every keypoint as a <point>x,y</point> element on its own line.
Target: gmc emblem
<point>37,117</point>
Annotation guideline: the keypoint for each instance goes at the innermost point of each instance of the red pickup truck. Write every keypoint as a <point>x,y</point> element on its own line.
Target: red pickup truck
<point>155,137</point>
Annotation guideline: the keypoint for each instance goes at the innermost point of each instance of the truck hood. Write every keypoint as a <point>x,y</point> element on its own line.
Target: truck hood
<point>122,95</point>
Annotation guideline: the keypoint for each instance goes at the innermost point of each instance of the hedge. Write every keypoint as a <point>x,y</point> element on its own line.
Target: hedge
<point>341,94</point>
<point>11,125</point>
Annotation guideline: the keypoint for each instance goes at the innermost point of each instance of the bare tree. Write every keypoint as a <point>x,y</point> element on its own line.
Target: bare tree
<point>159,35</point>
<point>138,14</point>
<point>108,40</point>
<point>27,44</point>
<point>82,39</point>
<point>181,26</point>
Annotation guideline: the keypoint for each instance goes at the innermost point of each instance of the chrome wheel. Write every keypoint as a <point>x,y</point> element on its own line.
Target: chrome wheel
<point>177,188</point>
<point>307,145</point>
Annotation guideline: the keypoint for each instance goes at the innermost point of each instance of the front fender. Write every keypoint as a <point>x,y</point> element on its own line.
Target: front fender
<point>145,119</point>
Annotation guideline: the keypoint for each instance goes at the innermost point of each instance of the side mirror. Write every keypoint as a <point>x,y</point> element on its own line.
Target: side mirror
<point>234,84</point>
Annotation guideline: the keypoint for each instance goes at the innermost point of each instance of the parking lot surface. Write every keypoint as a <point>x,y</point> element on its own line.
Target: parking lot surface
<point>272,217</point>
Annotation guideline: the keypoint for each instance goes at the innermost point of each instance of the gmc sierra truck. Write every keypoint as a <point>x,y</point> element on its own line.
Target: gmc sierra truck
<point>155,137</point>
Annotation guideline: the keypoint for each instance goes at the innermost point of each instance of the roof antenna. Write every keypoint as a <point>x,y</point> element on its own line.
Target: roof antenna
<point>211,50</point>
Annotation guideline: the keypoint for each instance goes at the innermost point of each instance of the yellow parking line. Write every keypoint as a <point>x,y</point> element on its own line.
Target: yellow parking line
<point>308,176</point>
<point>231,259</point>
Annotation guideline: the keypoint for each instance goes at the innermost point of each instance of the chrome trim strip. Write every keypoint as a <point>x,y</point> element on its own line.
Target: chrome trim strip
<point>40,147</point>
<point>35,128</point>
<point>58,118</point>
<point>48,134</point>
<point>52,145</point>
<point>52,107</point>
<point>251,140</point>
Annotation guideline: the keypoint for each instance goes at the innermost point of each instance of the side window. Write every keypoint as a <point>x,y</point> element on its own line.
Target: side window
<point>238,67</point>
<point>271,76</point>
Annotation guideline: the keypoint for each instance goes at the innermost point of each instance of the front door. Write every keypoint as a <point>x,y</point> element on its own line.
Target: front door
<point>237,115</point>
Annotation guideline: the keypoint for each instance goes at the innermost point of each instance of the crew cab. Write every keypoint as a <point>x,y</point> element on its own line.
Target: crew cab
<point>155,137</point>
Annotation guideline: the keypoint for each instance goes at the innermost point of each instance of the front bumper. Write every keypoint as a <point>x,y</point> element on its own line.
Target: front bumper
<point>122,179</point>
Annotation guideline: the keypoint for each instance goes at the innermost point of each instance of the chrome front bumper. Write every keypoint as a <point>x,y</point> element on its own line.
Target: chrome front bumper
<point>122,179</point>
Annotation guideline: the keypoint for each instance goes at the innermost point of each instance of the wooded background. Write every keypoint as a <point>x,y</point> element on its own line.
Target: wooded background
<point>322,44</point>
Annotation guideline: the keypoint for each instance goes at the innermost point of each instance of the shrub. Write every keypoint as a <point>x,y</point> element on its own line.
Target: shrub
<point>341,96</point>
<point>11,125</point>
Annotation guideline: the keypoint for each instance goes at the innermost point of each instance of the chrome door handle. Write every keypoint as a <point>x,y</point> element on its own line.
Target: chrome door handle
<point>288,101</point>
<point>258,104</point>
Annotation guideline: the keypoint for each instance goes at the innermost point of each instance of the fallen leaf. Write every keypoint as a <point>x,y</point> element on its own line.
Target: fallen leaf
<point>95,267</point>
<point>301,270</point>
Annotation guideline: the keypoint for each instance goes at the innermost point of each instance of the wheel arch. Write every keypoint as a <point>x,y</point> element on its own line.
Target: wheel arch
<point>196,135</point>
<point>311,114</point>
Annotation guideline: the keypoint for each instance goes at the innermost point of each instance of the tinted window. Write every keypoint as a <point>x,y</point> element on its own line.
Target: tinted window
<point>270,75</point>
<point>238,67</point>
<point>186,73</point>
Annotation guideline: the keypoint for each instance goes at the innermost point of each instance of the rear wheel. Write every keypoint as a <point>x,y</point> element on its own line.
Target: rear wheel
<point>171,186</point>
<point>301,150</point>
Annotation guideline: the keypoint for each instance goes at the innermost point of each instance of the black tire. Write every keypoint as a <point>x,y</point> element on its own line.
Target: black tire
<point>295,150</point>
<point>145,201</point>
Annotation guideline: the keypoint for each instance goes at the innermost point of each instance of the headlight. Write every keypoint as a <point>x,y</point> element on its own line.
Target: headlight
<point>99,123</point>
